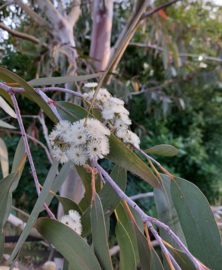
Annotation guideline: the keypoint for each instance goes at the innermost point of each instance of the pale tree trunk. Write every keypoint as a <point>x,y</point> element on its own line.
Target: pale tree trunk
<point>101,32</point>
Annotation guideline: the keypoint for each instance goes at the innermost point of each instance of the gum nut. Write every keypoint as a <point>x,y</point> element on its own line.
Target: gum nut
<point>49,266</point>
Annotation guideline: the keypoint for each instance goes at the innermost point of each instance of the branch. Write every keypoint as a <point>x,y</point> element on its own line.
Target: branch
<point>147,219</point>
<point>22,35</point>
<point>73,15</point>
<point>151,12</point>
<point>51,12</point>
<point>6,4</point>
<point>32,14</point>
<point>179,54</point>
<point>61,7</point>
<point>143,195</point>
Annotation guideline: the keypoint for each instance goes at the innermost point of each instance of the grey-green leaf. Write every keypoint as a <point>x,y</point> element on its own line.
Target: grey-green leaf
<point>69,244</point>
<point>30,223</point>
<point>162,150</point>
<point>99,234</point>
<point>6,125</point>
<point>198,223</point>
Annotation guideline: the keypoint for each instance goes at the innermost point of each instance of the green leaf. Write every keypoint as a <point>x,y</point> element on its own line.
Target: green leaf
<point>174,49</point>
<point>19,152</point>
<point>4,105</point>
<point>2,240</point>
<point>5,74</point>
<point>36,209</point>
<point>6,125</point>
<point>165,55</point>
<point>119,153</point>
<point>109,198</point>
<point>5,95</point>
<point>59,180</point>
<point>197,222</point>
<point>167,212</point>
<point>162,150</point>
<point>68,243</point>
<point>68,204</point>
<point>127,223</point>
<point>65,79</point>
<point>182,259</point>
<point>99,234</point>
<point>149,260</point>
<point>127,255</point>
<point>4,158</point>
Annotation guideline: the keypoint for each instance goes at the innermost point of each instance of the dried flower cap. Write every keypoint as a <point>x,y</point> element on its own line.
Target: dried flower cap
<point>49,266</point>
<point>91,85</point>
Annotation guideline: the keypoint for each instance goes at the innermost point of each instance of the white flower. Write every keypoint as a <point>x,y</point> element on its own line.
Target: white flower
<point>91,85</point>
<point>74,215</point>
<point>125,119</point>
<point>77,155</point>
<point>116,100</point>
<point>95,129</point>
<point>94,150</point>
<point>121,133</point>
<point>76,138</point>
<point>131,138</point>
<point>103,95</point>
<point>120,109</point>
<point>52,136</point>
<point>77,227</point>
<point>62,125</point>
<point>59,155</point>
<point>67,220</point>
<point>104,144</point>
<point>108,114</point>
<point>119,124</point>
<point>86,95</point>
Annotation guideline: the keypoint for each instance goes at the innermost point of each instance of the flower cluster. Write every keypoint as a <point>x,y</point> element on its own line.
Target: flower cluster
<point>78,142</point>
<point>114,113</point>
<point>73,220</point>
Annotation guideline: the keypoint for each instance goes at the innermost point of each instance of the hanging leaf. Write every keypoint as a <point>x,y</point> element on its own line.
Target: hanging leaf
<point>7,108</point>
<point>127,255</point>
<point>109,198</point>
<point>162,150</point>
<point>19,152</point>
<point>4,158</point>
<point>68,204</point>
<point>198,223</point>
<point>36,209</point>
<point>65,79</point>
<point>149,260</point>
<point>165,55</point>
<point>6,125</point>
<point>99,234</point>
<point>68,243</point>
<point>119,153</point>
<point>6,75</point>
<point>167,212</point>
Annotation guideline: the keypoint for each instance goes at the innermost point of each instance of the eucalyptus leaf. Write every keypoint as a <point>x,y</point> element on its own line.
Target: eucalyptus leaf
<point>6,125</point>
<point>99,234</point>
<point>197,222</point>
<point>4,158</point>
<point>68,243</point>
<point>36,209</point>
<point>68,204</point>
<point>65,79</point>
<point>162,150</point>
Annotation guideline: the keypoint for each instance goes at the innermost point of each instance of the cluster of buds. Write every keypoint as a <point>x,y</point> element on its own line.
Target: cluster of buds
<point>73,220</point>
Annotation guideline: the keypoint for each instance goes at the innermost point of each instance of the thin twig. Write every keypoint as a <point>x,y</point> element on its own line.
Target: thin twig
<point>20,211</point>
<point>142,195</point>
<point>151,12</point>
<point>147,218</point>
<point>27,149</point>
<point>33,139</point>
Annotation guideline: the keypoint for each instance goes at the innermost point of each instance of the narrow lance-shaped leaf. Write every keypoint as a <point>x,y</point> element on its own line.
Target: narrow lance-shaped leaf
<point>6,75</point>
<point>36,209</point>
<point>99,234</point>
<point>6,125</point>
<point>162,150</point>
<point>4,158</point>
<point>109,198</point>
<point>197,222</point>
<point>68,204</point>
<point>65,79</point>
<point>4,105</point>
<point>68,243</point>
